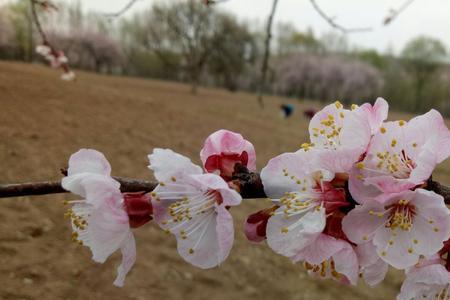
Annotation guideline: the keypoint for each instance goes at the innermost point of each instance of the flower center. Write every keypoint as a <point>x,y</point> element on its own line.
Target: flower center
<point>398,165</point>
<point>401,215</point>
<point>325,269</point>
<point>189,207</point>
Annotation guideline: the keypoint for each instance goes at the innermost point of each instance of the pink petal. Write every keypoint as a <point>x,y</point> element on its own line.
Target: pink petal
<point>423,128</point>
<point>108,227</point>
<point>373,268</point>
<point>346,262</point>
<point>376,114</point>
<point>202,248</point>
<point>216,183</point>
<point>429,281</point>
<point>128,249</point>
<point>363,221</point>
<point>322,249</point>
<point>88,161</point>
<point>167,164</point>
<point>283,173</point>
<point>287,236</point>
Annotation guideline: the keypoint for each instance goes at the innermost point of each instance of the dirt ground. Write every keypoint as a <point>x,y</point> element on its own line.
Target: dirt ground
<point>43,120</point>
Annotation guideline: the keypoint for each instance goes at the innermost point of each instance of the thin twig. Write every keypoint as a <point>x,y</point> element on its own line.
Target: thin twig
<point>335,25</point>
<point>394,13</point>
<point>122,11</point>
<point>265,62</point>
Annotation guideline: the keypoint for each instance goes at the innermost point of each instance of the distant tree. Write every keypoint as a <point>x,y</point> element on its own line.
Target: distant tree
<point>233,47</point>
<point>90,50</point>
<point>20,17</point>
<point>290,40</point>
<point>372,57</point>
<point>424,56</point>
<point>184,28</point>
<point>326,77</point>
<point>6,33</point>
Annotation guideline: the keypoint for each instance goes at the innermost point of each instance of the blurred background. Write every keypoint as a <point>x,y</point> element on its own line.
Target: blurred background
<point>167,74</point>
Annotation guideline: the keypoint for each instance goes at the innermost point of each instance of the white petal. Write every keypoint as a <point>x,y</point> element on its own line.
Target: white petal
<point>167,164</point>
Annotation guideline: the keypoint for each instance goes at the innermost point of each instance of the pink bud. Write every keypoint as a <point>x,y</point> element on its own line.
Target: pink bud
<point>223,149</point>
<point>256,224</point>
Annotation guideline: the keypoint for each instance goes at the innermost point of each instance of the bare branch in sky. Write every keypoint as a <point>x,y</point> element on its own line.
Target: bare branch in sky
<point>122,11</point>
<point>332,22</point>
<point>394,13</point>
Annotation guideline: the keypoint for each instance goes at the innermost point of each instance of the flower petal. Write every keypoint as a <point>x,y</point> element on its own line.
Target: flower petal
<point>88,161</point>
<point>216,183</point>
<point>288,172</point>
<point>167,164</point>
<point>128,249</point>
<point>361,223</point>
<point>287,236</point>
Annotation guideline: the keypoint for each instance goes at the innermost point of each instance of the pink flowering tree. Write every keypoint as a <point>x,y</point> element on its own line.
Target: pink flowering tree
<point>354,200</point>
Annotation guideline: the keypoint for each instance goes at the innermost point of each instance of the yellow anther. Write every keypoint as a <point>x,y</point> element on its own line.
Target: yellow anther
<point>383,253</point>
<point>284,230</point>
<point>410,250</point>
<point>341,115</point>
<point>338,104</point>
<point>191,251</point>
<point>354,106</point>
<point>401,122</point>
<point>360,165</point>
<point>173,178</point>
<point>393,143</point>
<point>414,145</point>
<point>383,130</point>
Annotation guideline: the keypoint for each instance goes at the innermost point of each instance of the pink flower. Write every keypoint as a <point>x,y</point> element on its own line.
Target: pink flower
<point>341,136</point>
<point>409,224</point>
<point>305,196</point>
<point>401,156</point>
<point>372,268</point>
<point>194,207</point>
<point>429,280</point>
<point>101,221</point>
<point>328,257</point>
<point>223,149</point>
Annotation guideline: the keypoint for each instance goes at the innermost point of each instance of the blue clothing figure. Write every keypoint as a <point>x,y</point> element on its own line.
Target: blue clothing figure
<point>287,110</point>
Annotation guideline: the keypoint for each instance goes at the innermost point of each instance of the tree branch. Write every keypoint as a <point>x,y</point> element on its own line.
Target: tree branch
<point>122,11</point>
<point>54,187</point>
<point>248,184</point>
<point>394,13</point>
<point>335,25</point>
<point>265,62</point>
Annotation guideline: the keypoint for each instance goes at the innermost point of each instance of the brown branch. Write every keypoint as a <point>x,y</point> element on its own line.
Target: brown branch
<point>54,187</point>
<point>265,62</point>
<point>394,13</point>
<point>248,184</point>
<point>335,25</point>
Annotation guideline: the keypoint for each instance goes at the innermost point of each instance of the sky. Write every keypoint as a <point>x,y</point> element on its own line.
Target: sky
<point>422,17</point>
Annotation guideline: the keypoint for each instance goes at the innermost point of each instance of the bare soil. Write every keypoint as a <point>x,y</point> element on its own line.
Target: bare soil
<point>43,120</point>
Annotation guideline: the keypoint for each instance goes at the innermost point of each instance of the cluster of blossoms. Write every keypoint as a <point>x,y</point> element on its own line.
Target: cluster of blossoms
<point>57,59</point>
<point>347,204</point>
